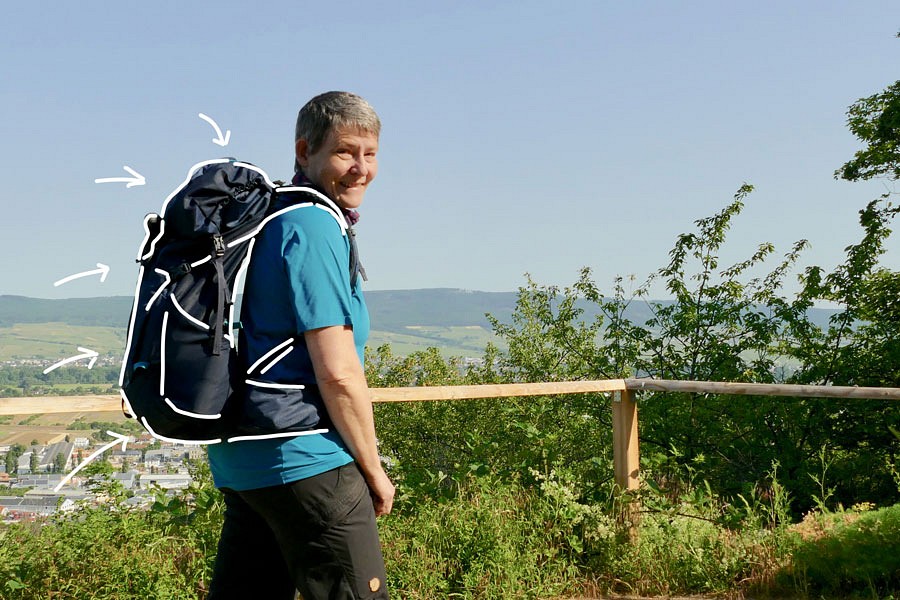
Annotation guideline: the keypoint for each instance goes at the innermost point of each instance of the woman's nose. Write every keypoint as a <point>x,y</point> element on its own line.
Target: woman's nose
<point>359,166</point>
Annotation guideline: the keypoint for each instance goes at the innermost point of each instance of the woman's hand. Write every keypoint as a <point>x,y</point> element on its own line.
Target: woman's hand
<point>382,491</point>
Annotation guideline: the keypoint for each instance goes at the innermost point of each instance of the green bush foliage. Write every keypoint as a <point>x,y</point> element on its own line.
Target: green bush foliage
<point>487,538</point>
<point>113,551</point>
<point>99,554</point>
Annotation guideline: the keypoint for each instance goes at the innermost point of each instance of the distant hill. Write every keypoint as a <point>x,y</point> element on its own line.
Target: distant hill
<point>452,320</point>
<point>108,311</point>
<point>396,310</point>
<point>409,320</point>
<point>391,310</point>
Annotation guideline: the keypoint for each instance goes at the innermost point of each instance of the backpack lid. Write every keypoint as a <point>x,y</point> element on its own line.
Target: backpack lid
<point>217,197</point>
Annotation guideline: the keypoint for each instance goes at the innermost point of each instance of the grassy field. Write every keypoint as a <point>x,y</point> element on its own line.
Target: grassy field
<point>53,341</point>
<point>467,341</point>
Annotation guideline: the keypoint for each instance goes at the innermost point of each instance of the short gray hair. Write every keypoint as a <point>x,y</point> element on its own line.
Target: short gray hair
<point>333,110</point>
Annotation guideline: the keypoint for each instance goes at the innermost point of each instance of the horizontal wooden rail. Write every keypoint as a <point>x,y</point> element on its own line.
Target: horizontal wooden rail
<point>763,389</point>
<point>66,404</point>
<point>59,404</point>
<point>626,457</point>
<point>499,390</point>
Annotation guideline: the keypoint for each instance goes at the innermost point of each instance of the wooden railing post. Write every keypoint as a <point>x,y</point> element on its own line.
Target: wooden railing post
<point>626,455</point>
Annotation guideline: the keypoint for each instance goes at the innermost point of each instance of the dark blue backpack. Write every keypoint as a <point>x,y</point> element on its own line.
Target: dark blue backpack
<point>180,373</point>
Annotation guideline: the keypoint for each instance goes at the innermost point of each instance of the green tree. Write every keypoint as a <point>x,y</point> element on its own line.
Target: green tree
<point>59,462</point>
<point>726,323</point>
<point>548,338</point>
<point>720,327</point>
<point>863,331</point>
<point>875,121</point>
<point>99,467</point>
<point>859,346</point>
<point>12,458</point>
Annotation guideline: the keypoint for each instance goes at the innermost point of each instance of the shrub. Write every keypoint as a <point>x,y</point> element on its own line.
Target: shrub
<point>490,538</point>
<point>96,555</point>
<point>112,552</point>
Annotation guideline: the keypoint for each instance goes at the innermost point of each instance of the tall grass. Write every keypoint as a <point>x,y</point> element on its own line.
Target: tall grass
<point>488,536</point>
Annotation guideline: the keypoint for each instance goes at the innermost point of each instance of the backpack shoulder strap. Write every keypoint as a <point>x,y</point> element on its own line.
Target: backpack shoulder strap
<point>290,197</point>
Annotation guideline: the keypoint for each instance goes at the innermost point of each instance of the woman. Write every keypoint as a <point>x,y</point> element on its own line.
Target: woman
<point>300,509</point>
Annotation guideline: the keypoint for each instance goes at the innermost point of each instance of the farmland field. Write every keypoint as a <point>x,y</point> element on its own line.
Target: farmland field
<point>468,341</point>
<point>50,428</point>
<point>54,341</point>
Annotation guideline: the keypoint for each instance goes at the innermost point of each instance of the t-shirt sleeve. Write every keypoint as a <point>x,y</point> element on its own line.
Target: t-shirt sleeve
<point>315,255</point>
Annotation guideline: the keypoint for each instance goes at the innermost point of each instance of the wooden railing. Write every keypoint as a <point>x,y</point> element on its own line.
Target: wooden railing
<point>626,456</point>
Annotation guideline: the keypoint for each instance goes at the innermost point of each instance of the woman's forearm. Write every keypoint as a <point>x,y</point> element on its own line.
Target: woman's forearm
<point>342,383</point>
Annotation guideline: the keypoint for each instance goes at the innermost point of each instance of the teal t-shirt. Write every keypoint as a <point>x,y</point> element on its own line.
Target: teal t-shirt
<point>297,280</point>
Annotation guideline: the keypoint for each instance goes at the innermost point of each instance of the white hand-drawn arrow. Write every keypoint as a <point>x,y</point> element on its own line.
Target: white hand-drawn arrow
<point>219,139</point>
<point>123,439</point>
<point>85,354</point>
<point>135,179</point>
<point>101,270</point>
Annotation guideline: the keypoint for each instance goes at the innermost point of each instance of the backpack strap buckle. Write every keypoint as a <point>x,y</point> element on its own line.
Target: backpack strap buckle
<point>218,245</point>
<point>181,270</point>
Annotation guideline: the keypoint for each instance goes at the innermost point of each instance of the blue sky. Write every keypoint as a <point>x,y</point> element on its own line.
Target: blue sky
<point>517,136</point>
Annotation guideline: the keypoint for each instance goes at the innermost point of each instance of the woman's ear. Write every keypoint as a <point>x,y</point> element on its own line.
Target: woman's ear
<point>301,151</point>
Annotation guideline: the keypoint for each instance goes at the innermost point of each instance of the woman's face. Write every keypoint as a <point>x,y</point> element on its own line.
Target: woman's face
<point>343,166</point>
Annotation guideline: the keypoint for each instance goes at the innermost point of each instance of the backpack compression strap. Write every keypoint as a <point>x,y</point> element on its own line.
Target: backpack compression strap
<point>218,253</point>
<point>356,267</point>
